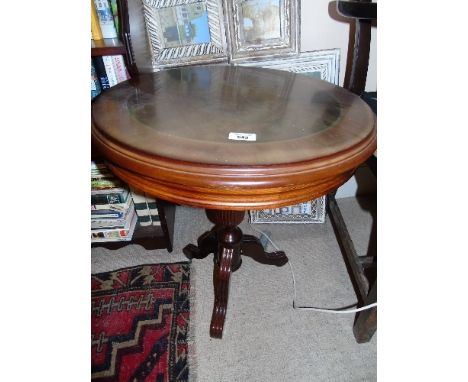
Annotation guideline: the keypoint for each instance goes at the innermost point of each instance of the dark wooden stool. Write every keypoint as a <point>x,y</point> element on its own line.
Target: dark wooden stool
<point>362,13</point>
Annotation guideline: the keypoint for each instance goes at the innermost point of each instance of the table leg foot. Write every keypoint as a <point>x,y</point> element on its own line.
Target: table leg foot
<point>253,248</point>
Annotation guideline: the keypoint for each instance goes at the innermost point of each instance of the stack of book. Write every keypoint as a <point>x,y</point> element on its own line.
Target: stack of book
<point>113,216</point>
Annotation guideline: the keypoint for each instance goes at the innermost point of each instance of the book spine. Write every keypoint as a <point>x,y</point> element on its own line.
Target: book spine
<point>101,72</point>
<point>97,215</point>
<point>95,84</point>
<point>104,183</point>
<point>100,170</point>
<point>98,166</point>
<point>96,33</point>
<point>101,175</point>
<point>119,67</point>
<point>110,71</point>
<point>115,234</point>
<point>110,225</point>
<point>119,190</point>
<point>108,198</point>
<point>117,223</point>
<point>109,214</point>
<point>115,15</point>
<point>106,20</point>
<point>102,240</point>
<point>106,220</point>
<point>117,207</point>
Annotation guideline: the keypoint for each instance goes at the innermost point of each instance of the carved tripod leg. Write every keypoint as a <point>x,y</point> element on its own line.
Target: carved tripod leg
<point>227,259</point>
<point>207,243</point>
<point>221,279</point>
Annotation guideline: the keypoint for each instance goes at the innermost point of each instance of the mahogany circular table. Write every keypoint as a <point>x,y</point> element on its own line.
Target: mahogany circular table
<point>231,139</point>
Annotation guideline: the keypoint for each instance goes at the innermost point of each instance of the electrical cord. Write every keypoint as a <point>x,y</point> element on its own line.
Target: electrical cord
<point>344,310</point>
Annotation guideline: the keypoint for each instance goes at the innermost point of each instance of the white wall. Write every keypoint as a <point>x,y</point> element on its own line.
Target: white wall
<point>322,28</point>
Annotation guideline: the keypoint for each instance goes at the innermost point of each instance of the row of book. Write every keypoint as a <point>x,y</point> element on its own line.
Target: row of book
<point>116,209</point>
<point>107,71</point>
<point>104,19</point>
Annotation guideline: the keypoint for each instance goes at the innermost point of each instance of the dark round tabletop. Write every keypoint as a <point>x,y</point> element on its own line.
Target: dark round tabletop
<point>232,123</point>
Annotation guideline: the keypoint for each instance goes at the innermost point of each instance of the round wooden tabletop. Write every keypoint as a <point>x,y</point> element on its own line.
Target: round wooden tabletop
<point>227,137</point>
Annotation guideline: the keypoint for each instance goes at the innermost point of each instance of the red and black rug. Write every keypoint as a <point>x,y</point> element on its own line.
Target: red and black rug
<point>139,323</point>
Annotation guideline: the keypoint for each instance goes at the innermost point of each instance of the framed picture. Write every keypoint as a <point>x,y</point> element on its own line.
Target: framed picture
<point>310,212</point>
<point>184,32</point>
<point>262,28</point>
<point>322,64</point>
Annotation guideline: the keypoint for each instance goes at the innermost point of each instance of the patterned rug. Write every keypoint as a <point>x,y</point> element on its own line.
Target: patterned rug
<point>139,323</point>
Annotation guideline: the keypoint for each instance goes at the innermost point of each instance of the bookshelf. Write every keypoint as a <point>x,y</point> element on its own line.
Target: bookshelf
<point>120,45</point>
<point>153,236</point>
<point>107,47</point>
<point>150,237</point>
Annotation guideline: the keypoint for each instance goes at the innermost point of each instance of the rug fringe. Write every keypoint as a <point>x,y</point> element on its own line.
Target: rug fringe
<point>192,354</point>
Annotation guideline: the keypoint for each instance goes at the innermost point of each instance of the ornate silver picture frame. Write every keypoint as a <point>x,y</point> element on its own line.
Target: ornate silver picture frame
<point>322,64</point>
<point>184,32</point>
<point>310,212</point>
<point>262,28</point>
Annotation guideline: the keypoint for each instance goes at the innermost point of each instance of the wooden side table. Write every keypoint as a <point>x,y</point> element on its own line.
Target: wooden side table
<point>170,133</point>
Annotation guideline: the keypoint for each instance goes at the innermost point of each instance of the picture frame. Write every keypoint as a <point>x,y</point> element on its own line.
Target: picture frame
<point>322,64</point>
<point>309,212</point>
<point>262,28</point>
<point>185,32</point>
